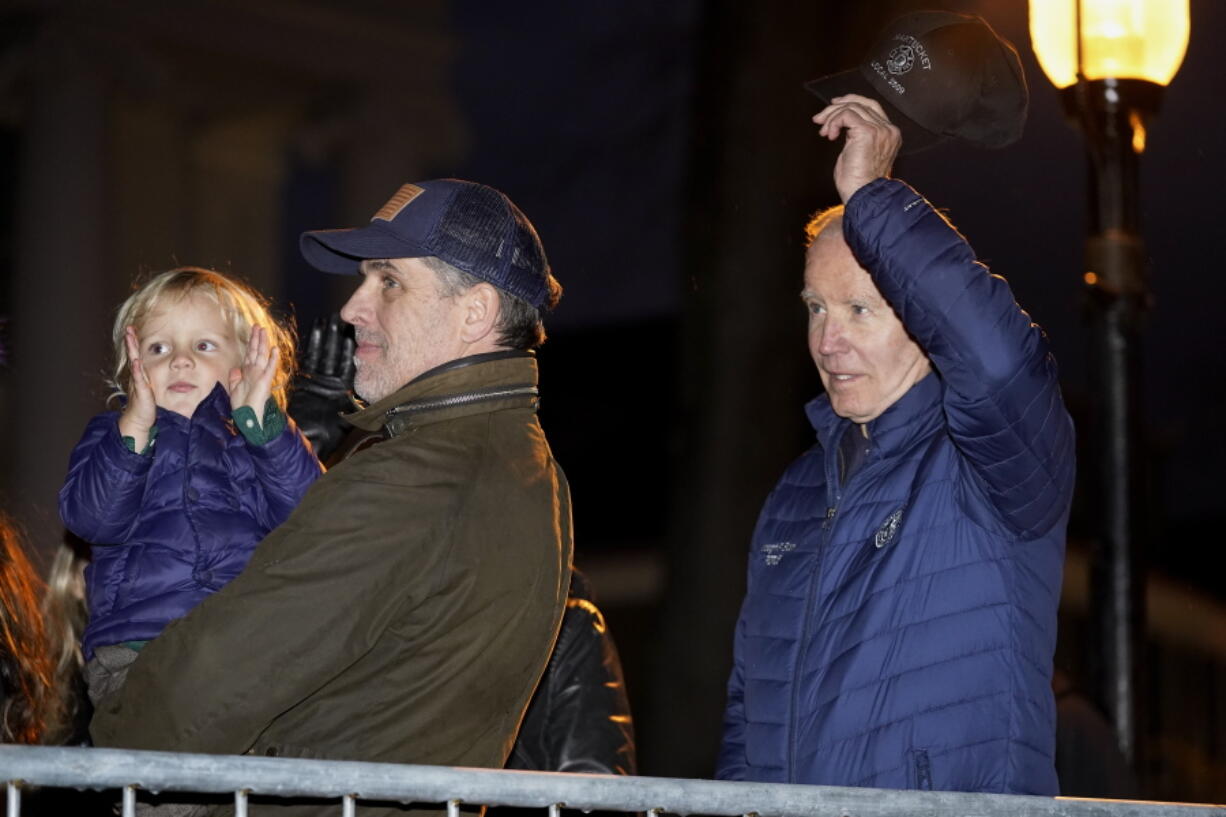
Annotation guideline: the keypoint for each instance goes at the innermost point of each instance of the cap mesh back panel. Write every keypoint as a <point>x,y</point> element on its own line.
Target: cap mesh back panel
<point>483,235</point>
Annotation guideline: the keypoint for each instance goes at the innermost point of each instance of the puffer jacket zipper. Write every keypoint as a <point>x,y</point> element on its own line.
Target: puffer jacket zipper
<point>830,463</point>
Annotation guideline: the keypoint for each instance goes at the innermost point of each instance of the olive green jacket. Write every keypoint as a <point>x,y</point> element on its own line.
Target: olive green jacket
<point>403,613</point>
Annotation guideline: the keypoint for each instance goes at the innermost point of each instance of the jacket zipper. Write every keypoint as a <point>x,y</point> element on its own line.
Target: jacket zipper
<point>841,490</point>
<point>814,581</point>
<point>462,400</point>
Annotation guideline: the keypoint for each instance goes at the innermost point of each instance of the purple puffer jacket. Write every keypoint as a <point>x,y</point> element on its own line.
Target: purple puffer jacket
<point>170,528</point>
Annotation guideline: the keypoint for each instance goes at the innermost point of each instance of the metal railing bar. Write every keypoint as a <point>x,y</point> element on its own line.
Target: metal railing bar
<point>168,771</point>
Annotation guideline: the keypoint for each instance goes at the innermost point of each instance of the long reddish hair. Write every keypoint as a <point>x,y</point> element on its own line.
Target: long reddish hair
<point>25,662</point>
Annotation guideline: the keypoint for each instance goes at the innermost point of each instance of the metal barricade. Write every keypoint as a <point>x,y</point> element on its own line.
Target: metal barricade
<point>349,782</point>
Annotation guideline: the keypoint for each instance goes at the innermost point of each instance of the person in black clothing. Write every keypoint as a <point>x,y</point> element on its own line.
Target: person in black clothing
<point>579,718</point>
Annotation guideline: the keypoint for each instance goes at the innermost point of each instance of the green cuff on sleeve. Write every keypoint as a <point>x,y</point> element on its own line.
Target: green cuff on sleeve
<point>130,442</point>
<point>259,432</point>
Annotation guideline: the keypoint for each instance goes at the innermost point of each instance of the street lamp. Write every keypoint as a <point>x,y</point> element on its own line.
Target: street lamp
<point>1111,58</point>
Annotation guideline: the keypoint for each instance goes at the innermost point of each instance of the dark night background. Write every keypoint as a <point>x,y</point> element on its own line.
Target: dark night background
<point>665,154</point>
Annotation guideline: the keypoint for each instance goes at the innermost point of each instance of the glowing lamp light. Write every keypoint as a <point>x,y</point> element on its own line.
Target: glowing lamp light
<point>1121,39</point>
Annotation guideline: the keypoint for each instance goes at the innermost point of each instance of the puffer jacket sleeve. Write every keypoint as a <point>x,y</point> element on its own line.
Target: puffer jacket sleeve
<point>1002,398</point>
<point>285,467</point>
<point>105,484</point>
<point>731,764</point>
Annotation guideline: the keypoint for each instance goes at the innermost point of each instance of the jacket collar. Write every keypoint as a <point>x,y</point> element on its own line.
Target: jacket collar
<point>469,385</point>
<point>912,416</point>
<point>215,404</point>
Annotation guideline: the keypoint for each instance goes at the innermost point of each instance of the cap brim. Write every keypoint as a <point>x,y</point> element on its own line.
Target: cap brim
<point>342,251</point>
<point>914,137</point>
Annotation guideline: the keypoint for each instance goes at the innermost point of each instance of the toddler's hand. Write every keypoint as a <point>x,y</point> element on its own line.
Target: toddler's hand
<point>140,414</point>
<point>252,384</point>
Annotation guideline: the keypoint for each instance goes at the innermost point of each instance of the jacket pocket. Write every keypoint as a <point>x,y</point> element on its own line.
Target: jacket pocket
<point>921,770</point>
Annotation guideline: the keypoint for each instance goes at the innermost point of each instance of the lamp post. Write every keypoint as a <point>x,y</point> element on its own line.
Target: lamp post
<point>1110,60</point>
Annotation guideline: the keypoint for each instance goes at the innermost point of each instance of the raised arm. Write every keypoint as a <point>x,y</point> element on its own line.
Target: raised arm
<point>105,484</point>
<point>284,461</point>
<point>1002,396</point>
<point>285,466</point>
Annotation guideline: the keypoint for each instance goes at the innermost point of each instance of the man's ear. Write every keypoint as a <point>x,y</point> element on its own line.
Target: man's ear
<point>480,307</point>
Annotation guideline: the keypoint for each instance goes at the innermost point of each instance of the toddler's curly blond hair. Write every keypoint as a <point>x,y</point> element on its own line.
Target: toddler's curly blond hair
<point>241,306</point>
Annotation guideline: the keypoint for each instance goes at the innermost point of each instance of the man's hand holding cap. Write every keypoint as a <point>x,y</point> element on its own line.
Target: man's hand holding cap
<point>872,141</point>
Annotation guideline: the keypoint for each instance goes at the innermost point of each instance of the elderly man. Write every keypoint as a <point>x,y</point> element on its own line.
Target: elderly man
<point>904,574</point>
<point>407,608</point>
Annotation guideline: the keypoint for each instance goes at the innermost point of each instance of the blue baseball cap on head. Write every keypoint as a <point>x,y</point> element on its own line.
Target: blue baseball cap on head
<point>473,227</point>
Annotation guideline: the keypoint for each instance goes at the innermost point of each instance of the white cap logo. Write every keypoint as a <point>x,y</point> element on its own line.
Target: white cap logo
<point>900,61</point>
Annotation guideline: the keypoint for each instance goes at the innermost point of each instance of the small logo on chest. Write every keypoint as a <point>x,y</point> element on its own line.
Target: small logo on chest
<point>885,533</point>
<point>773,553</point>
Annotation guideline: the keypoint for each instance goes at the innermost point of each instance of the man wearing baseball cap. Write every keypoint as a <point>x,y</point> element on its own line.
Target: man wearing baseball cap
<point>407,608</point>
<point>900,618</point>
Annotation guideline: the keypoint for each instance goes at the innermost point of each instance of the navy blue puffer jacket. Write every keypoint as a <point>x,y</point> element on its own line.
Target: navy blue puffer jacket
<point>171,527</point>
<point>898,631</point>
